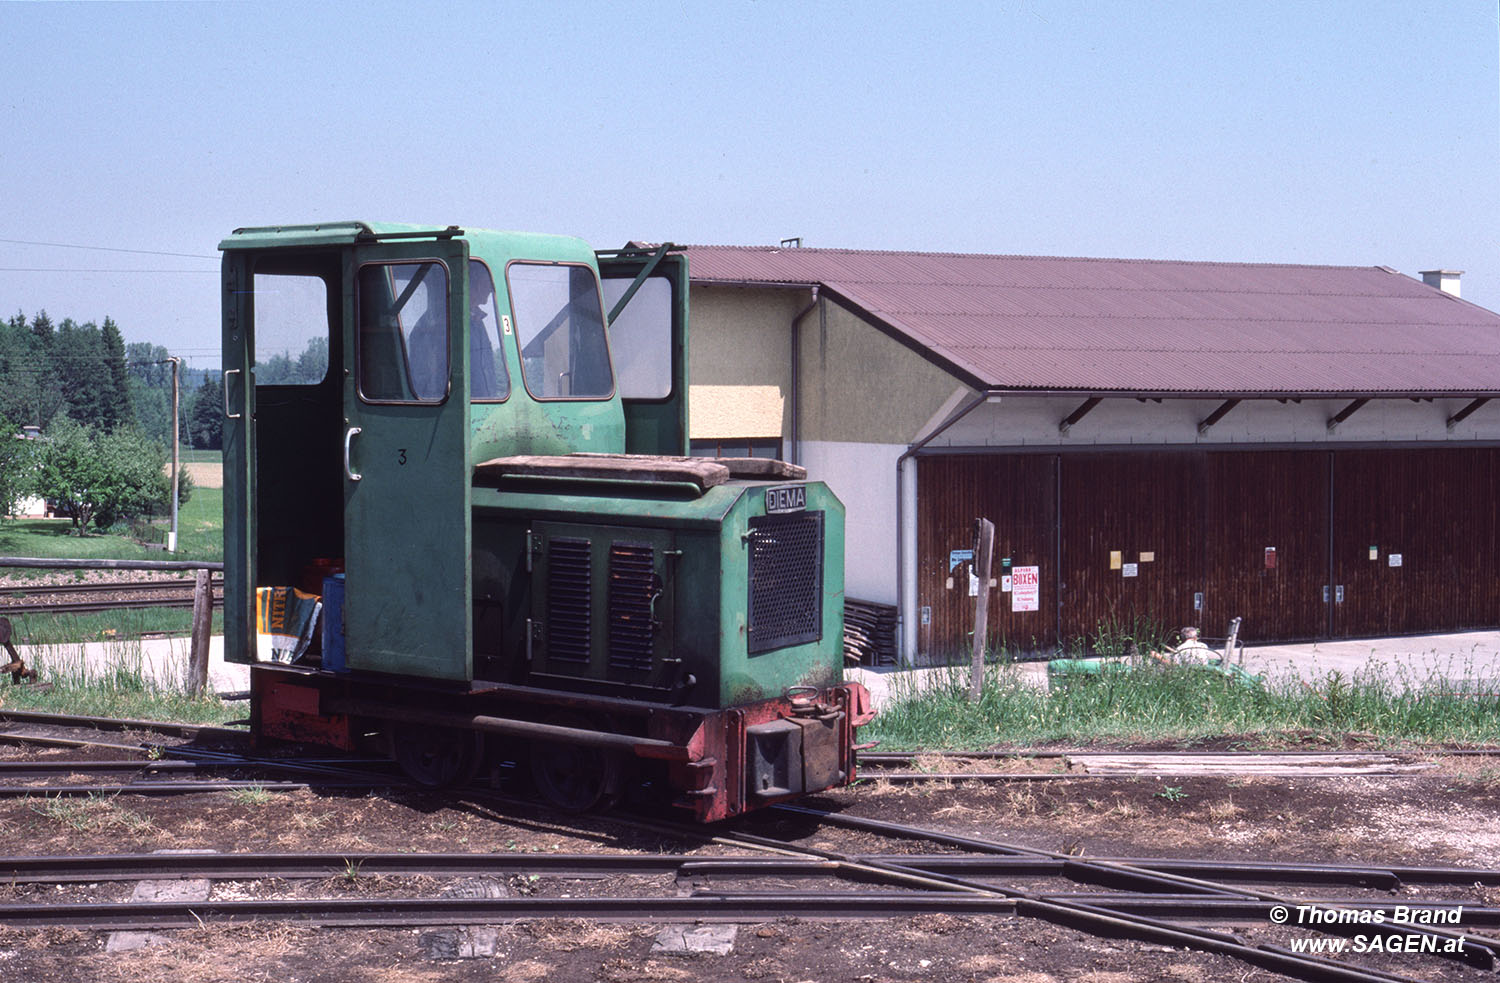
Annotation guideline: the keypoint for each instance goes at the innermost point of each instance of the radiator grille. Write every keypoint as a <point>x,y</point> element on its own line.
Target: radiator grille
<point>786,580</point>
<point>633,584</point>
<point>569,599</point>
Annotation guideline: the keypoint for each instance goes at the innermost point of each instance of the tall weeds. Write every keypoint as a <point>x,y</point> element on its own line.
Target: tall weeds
<point>1179,703</point>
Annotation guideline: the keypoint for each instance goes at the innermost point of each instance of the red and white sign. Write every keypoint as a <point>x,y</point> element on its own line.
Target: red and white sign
<point>1026,589</point>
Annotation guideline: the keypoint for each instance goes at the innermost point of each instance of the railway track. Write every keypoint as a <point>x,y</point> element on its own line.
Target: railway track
<point>1184,903</point>
<point>1138,898</point>
<point>103,596</point>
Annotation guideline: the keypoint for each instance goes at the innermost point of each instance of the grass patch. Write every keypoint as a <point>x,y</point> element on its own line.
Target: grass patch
<point>200,536</point>
<point>252,796</point>
<point>93,812</point>
<point>1181,703</point>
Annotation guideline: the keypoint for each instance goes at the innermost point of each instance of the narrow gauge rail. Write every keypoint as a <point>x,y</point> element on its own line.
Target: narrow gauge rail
<point>249,866</point>
<point>102,596</point>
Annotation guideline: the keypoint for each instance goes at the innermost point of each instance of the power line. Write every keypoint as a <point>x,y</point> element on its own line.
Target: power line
<point>107,249</point>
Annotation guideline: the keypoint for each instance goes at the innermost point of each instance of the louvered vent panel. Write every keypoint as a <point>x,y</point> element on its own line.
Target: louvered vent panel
<point>569,599</point>
<point>632,585</point>
<point>786,580</point>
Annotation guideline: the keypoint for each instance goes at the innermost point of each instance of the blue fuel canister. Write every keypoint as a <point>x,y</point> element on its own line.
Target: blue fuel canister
<point>333,623</point>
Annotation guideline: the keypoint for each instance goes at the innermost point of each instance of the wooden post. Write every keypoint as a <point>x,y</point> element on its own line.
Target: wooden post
<point>203,614</point>
<point>984,550</point>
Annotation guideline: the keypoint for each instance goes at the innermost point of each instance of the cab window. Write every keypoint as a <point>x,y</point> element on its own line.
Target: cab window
<point>560,328</point>
<point>291,330</point>
<point>642,337</point>
<point>403,332</point>
<point>489,378</point>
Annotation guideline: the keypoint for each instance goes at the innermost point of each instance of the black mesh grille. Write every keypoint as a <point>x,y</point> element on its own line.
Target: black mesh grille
<point>569,599</point>
<point>786,580</point>
<point>632,586</point>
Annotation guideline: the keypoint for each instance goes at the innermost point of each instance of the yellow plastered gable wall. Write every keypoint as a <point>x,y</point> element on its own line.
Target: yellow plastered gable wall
<point>859,385</point>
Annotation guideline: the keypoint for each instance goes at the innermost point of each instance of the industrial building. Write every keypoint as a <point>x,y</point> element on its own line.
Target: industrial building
<point>1307,447</point>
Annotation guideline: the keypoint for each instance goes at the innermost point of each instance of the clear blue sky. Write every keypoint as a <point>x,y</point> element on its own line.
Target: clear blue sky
<point>1354,133</point>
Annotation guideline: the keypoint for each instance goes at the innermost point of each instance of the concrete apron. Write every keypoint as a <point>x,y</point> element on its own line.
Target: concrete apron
<point>163,661</point>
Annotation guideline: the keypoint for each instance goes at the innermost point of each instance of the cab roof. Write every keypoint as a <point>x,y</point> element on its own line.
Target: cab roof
<point>482,241</point>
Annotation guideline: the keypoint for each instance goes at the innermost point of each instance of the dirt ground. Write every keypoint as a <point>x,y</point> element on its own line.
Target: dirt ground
<point>1451,816</point>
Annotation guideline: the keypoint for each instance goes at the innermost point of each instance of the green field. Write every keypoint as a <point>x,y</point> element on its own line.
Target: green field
<point>200,525</point>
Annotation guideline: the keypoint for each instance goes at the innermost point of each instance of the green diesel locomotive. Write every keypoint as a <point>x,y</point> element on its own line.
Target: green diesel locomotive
<point>468,451</point>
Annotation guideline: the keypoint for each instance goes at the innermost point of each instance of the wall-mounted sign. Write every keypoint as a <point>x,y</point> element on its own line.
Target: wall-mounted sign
<point>955,557</point>
<point>1129,570</point>
<point>1374,552</point>
<point>1026,589</point>
<point>1115,559</point>
<point>1394,559</point>
<point>1148,557</point>
<point>973,584</point>
<point>1270,558</point>
<point>1005,583</point>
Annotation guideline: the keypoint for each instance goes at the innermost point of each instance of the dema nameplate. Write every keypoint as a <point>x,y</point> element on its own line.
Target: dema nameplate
<point>787,498</point>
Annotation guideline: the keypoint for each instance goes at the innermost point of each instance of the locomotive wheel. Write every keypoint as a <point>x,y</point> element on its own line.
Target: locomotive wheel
<point>436,756</point>
<point>576,778</point>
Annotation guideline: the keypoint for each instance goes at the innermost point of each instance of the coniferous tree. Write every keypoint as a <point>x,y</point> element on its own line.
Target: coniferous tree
<point>115,409</point>
<point>78,360</point>
<point>206,417</point>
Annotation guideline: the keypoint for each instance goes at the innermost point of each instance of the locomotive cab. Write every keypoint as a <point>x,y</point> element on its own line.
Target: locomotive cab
<point>474,444</point>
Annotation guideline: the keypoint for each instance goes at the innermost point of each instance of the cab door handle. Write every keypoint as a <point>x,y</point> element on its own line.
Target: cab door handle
<point>348,448</point>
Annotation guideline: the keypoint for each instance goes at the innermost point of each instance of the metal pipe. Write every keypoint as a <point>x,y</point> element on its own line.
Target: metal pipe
<point>649,747</point>
<point>795,425</point>
<point>176,441</point>
<point>901,621</point>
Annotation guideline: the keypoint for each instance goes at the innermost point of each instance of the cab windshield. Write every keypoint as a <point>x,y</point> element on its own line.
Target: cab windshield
<point>560,327</point>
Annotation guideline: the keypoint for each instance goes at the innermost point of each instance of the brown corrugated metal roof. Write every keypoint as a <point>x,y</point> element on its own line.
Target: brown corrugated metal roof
<point>1039,322</point>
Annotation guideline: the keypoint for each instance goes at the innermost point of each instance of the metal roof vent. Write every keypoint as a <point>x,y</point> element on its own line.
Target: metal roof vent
<point>1444,280</point>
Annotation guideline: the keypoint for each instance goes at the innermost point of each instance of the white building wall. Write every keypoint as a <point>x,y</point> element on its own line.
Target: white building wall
<point>863,476</point>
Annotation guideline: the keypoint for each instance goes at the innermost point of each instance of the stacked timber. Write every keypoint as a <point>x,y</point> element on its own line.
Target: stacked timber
<point>869,633</point>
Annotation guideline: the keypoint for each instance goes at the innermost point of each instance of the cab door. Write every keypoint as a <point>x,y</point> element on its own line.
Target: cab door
<point>239,461</point>
<point>406,467</point>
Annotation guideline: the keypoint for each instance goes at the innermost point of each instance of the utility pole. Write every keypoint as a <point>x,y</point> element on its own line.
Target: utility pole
<point>172,534</point>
